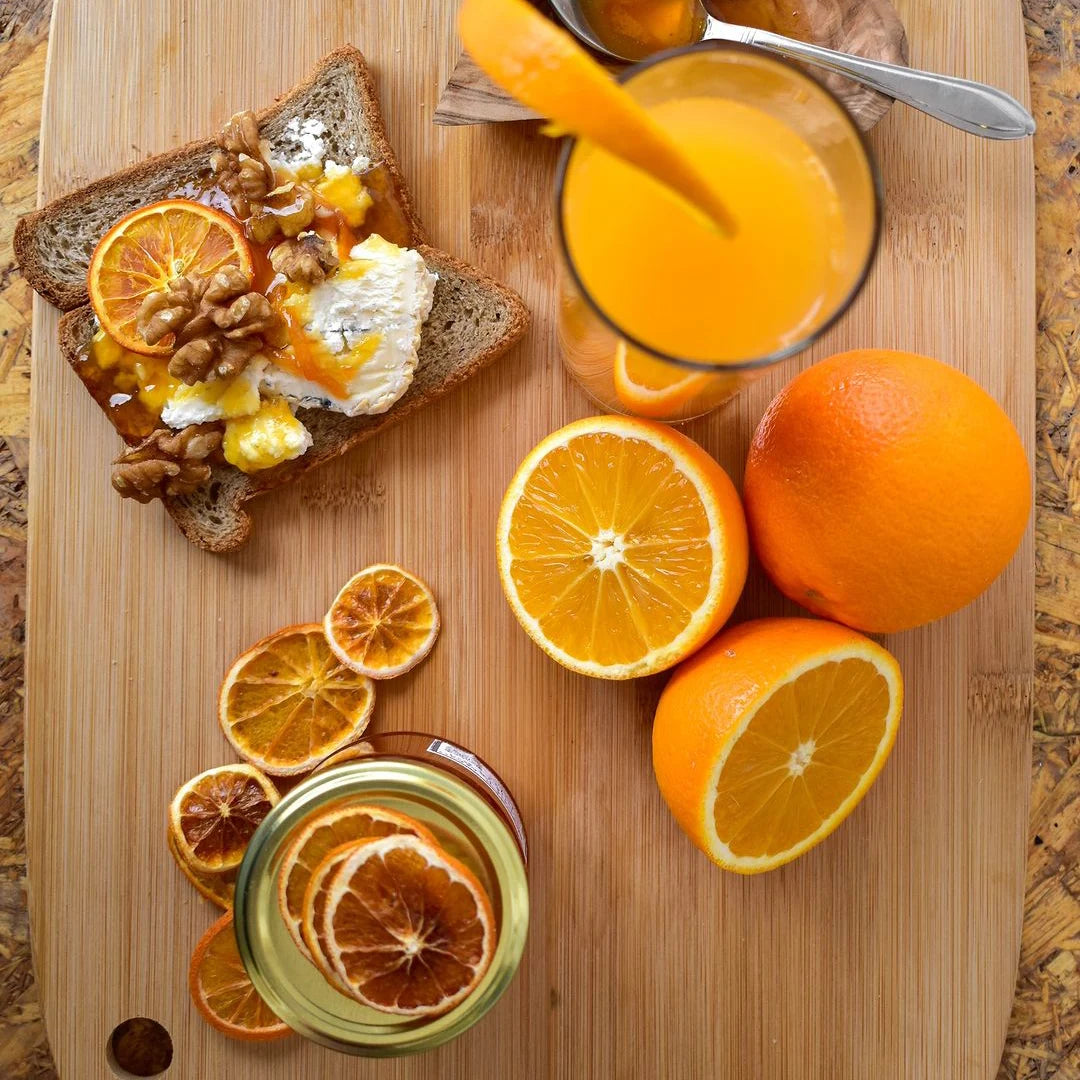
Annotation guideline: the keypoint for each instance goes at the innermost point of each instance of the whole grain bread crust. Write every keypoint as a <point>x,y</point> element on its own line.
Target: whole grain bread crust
<point>473,319</point>
<point>31,243</point>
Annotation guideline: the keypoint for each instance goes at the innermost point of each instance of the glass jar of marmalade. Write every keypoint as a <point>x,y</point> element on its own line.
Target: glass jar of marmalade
<point>474,819</point>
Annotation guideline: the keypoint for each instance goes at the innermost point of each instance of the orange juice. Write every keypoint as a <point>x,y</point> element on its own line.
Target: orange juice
<point>669,280</point>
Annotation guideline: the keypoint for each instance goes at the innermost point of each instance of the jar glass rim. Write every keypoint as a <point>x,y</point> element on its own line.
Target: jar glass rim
<point>714,366</point>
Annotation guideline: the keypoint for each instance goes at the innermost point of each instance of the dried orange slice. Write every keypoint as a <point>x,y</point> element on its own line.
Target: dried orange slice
<point>214,814</point>
<point>314,905</point>
<point>217,888</point>
<point>317,837</point>
<point>768,738</point>
<point>150,247</point>
<point>288,702</point>
<point>621,545</point>
<point>383,622</point>
<point>408,928</point>
<point>222,991</point>
<point>356,752</point>
<point>649,387</point>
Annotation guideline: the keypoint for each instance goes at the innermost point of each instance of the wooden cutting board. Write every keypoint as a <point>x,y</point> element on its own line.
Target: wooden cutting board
<point>889,951</point>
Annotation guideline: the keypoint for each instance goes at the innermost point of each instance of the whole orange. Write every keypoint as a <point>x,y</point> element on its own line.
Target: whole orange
<point>885,489</point>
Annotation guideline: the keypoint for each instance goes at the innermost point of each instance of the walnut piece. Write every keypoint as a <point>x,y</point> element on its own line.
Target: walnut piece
<point>288,210</point>
<point>240,167</point>
<point>308,258</point>
<point>218,322</point>
<point>168,311</point>
<point>167,463</point>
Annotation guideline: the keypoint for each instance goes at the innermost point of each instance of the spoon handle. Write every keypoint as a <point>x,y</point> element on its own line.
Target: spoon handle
<point>971,106</point>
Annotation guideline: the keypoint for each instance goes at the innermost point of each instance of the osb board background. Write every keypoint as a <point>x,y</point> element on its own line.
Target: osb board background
<point>1044,1039</point>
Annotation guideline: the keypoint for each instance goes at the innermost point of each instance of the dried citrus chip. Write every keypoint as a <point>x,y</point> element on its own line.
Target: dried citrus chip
<point>288,702</point>
<point>408,928</point>
<point>320,835</point>
<point>150,247</point>
<point>222,991</point>
<point>314,905</point>
<point>383,622</point>
<point>217,888</point>
<point>214,814</point>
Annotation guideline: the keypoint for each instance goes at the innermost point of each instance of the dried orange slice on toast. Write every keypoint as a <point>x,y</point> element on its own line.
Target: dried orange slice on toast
<point>217,888</point>
<point>222,991</point>
<point>317,838</point>
<point>288,702</point>
<point>150,247</point>
<point>383,622</point>
<point>408,928</point>
<point>214,814</point>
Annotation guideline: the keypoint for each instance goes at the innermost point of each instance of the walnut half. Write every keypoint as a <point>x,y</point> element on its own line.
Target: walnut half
<point>240,167</point>
<point>308,258</point>
<point>218,322</point>
<point>167,463</point>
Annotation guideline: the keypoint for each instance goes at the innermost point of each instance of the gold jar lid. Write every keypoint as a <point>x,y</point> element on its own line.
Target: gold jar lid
<point>467,827</point>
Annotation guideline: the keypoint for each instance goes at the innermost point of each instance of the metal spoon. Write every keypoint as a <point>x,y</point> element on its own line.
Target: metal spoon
<point>971,106</point>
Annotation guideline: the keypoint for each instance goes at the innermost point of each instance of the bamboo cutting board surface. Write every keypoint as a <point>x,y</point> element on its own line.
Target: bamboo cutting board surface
<point>888,951</point>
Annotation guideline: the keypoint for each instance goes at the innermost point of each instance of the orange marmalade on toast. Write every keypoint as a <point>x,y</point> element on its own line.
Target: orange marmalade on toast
<point>277,280</point>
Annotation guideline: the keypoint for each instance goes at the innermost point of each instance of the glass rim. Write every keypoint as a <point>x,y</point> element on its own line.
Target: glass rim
<point>570,144</point>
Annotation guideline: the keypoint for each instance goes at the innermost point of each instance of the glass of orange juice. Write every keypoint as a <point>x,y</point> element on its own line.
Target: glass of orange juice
<point>661,315</point>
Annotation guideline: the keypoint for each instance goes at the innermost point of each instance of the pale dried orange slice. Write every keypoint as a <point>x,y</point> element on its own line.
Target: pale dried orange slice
<point>217,888</point>
<point>214,814</point>
<point>383,622</point>
<point>621,545</point>
<point>408,928</point>
<point>288,702</point>
<point>222,991</point>
<point>648,387</point>
<point>314,905</point>
<point>150,247</point>
<point>320,835</point>
<point>355,752</point>
<point>768,738</point>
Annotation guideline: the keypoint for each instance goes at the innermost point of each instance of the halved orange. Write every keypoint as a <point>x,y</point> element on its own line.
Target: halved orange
<point>649,387</point>
<point>222,991</point>
<point>621,546</point>
<point>408,928</point>
<point>314,905</point>
<point>214,814</point>
<point>383,622</point>
<point>320,835</point>
<point>768,738</point>
<point>217,888</point>
<point>288,702</point>
<point>150,247</point>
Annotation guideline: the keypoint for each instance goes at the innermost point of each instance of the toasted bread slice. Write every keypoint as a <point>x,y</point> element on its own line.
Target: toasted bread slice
<point>473,318</point>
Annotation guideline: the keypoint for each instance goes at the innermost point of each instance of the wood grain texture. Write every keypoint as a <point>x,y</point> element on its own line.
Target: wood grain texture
<point>870,28</point>
<point>867,957</point>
